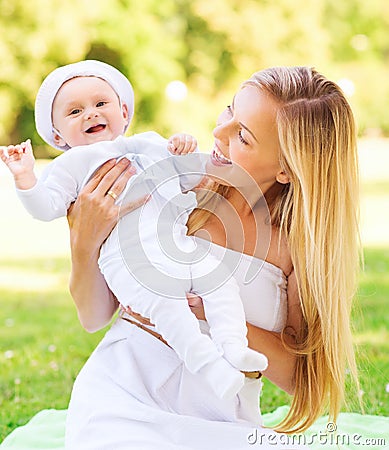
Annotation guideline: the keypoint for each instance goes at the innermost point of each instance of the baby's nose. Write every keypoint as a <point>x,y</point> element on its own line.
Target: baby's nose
<point>91,112</point>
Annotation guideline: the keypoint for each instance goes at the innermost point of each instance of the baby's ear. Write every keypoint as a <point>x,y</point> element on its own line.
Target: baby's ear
<point>58,140</point>
<point>125,112</point>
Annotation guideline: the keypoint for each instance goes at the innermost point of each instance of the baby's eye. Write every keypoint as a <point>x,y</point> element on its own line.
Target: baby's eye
<point>75,111</point>
<point>101,103</point>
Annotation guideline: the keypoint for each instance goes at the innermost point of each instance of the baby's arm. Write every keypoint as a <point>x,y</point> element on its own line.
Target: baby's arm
<point>181,144</point>
<point>20,161</point>
<point>40,201</point>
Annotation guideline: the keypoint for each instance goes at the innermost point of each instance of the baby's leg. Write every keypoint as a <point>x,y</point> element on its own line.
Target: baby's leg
<point>225,314</point>
<point>174,321</point>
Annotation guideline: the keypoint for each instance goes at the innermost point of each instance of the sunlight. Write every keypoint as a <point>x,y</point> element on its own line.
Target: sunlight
<point>176,91</point>
<point>27,280</point>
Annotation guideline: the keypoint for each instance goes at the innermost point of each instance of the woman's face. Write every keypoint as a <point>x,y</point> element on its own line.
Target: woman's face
<point>246,138</point>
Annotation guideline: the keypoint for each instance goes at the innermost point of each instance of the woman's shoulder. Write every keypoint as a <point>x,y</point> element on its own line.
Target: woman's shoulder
<point>278,253</point>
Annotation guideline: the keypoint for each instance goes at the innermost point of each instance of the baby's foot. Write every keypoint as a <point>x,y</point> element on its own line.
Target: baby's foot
<point>244,358</point>
<point>224,379</point>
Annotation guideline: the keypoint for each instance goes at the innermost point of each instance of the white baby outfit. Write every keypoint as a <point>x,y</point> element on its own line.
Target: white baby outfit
<point>135,393</point>
<point>148,261</point>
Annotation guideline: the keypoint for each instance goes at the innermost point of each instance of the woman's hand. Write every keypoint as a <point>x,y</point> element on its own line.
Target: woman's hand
<point>196,305</point>
<point>91,219</point>
<point>94,214</point>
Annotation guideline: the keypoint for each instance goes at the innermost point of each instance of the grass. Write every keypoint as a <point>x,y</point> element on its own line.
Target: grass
<point>371,336</point>
<point>42,345</point>
<point>371,325</point>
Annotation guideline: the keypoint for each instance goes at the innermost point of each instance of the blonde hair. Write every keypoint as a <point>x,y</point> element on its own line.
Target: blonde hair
<point>318,212</point>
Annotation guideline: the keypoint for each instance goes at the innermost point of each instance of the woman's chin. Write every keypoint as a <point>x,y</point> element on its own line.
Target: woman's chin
<point>219,172</point>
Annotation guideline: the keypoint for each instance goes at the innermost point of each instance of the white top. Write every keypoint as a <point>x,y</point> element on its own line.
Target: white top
<point>66,175</point>
<point>264,294</point>
<point>157,402</point>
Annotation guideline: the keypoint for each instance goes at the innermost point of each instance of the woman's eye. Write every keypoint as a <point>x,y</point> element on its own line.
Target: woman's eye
<point>241,138</point>
<point>229,109</point>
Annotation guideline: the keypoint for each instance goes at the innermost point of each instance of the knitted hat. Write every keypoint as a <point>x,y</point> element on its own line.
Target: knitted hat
<point>52,83</point>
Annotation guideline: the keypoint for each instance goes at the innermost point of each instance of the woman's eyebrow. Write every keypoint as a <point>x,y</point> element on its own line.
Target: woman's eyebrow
<point>248,130</point>
<point>243,125</point>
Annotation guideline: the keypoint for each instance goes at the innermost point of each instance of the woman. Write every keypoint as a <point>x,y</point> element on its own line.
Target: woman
<point>292,133</point>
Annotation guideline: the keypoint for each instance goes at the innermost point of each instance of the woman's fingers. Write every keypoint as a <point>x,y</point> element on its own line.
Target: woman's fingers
<point>108,175</point>
<point>193,299</point>
<point>99,175</point>
<point>116,178</point>
<point>118,184</point>
<point>95,206</point>
<point>196,305</point>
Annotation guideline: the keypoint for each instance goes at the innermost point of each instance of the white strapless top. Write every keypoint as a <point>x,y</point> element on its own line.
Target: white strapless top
<point>262,286</point>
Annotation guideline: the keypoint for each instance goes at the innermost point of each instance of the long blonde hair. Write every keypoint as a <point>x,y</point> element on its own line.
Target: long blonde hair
<point>318,212</point>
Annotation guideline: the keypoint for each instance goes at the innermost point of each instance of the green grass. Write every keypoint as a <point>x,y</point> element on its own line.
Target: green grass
<point>42,345</point>
<point>371,335</point>
<point>371,330</point>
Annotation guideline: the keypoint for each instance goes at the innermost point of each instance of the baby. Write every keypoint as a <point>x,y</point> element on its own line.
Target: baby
<point>148,261</point>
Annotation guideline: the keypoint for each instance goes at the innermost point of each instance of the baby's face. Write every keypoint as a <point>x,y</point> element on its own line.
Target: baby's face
<point>87,110</point>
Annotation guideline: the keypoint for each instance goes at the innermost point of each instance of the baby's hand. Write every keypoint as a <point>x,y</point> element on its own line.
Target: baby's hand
<point>20,161</point>
<point>181,144</point>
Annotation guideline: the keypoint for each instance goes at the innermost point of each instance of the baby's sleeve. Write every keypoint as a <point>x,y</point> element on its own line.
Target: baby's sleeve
<point>53,193</point>
<point>190,168</point>
<point>150,144</point>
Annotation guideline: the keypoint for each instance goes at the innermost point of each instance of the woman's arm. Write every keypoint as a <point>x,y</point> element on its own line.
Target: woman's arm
<point>91,219</point>
<point>282,361</point>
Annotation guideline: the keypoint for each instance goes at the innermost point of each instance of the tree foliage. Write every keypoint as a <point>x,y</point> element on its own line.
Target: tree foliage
<point>212,46</point>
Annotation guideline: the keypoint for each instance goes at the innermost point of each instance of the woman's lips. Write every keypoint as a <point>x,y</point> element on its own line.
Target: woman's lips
<point>218,159</point>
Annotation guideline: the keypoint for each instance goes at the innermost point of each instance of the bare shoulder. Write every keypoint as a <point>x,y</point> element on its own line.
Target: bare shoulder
<point>278,253</point>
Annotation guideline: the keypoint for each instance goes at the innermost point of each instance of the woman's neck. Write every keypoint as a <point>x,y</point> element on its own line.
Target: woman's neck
<point>245,201</point>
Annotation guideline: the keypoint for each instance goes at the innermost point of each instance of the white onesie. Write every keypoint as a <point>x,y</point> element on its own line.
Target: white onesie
<point>150,263</point>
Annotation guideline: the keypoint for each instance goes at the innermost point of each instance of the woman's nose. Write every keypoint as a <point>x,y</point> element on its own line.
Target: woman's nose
<point>222,125</point>
<point>221,131</point>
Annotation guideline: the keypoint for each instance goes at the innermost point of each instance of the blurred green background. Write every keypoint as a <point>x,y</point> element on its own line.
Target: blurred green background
<point>208,45</point>
<point>185,59</point>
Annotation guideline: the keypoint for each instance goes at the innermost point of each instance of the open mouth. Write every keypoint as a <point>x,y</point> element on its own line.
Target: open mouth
<point>95,129</point>
<point>219,159</point>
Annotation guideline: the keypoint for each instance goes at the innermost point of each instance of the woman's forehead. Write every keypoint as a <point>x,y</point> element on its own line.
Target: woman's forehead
<point>254,106</point>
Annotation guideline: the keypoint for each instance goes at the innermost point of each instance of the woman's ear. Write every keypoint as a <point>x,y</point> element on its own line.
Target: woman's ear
<point>282,177</point>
